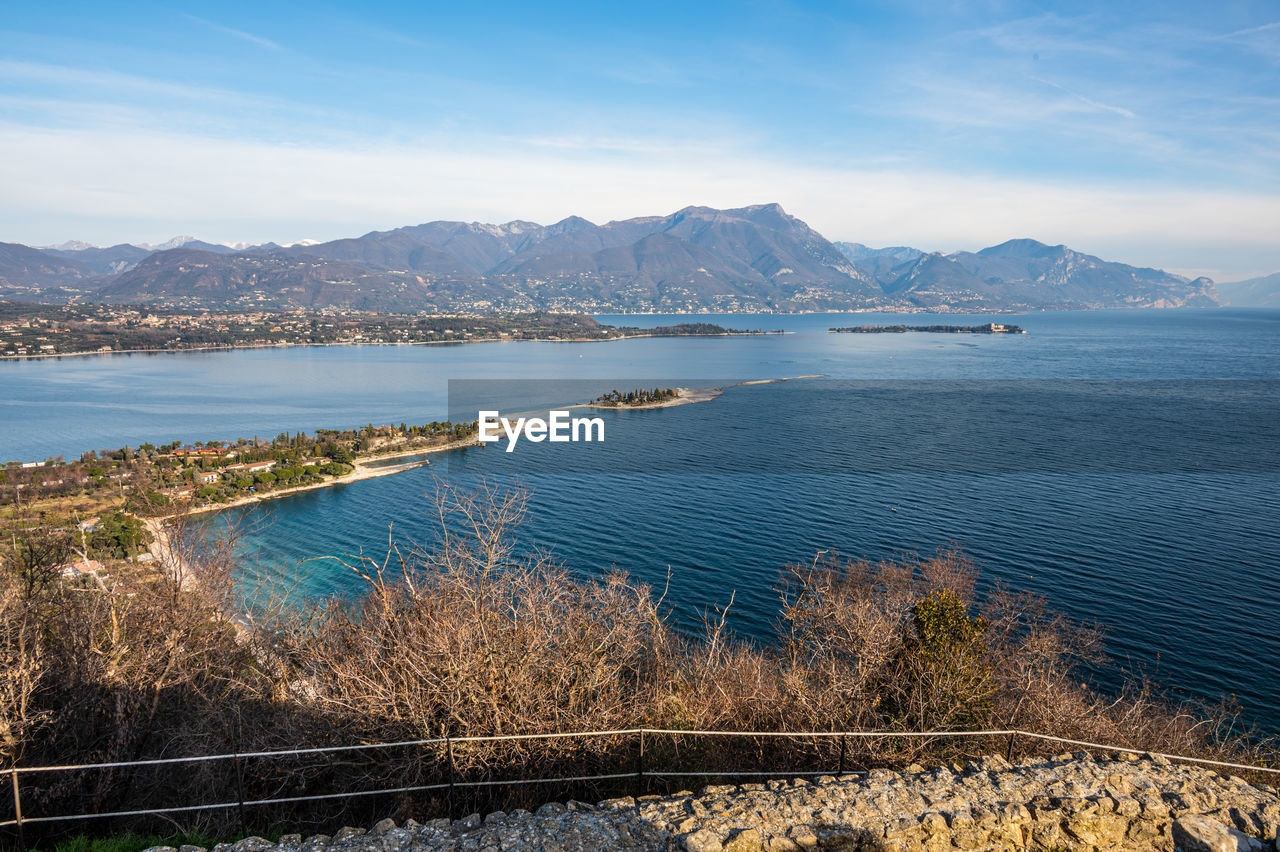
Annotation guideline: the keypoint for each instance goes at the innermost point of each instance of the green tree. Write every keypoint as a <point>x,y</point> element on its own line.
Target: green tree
<point>947,679</point>
<point>117,536</point>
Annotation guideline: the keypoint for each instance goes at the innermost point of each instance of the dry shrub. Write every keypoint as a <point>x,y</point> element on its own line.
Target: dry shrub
<point>472,637</point>
<point>22,665</point>
<point>146,669</point>
<point>910,645</point>
<point>884,645</point>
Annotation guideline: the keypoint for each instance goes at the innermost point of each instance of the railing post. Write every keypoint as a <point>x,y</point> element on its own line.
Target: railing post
<point>640,766</point>
<point>235,757</point>
<point>17,806</point>
<point>244,829</point>
<point>840,771</point>
<point>448,744</point>
<point>1008,754</point>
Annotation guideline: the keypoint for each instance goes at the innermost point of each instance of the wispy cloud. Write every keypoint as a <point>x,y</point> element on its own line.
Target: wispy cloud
<point>1087,100</point>
<point>99,79</point>
<point>240,34</point>
<point>621,144</point>
<point>60,95</point>
<point>1106,92</point>
<point>1274,25</point>
<point>1048,33</point>
<point>1004,104</point>
<point>1263,40</point>
<point>349,27</point>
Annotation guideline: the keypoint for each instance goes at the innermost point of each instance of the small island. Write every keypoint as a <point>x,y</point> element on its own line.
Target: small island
<point>645,398</point>
<point>641,398</point>
<point>989,328</point>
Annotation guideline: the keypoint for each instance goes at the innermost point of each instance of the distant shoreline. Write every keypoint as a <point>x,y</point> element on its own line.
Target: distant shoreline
<point>35,356</point>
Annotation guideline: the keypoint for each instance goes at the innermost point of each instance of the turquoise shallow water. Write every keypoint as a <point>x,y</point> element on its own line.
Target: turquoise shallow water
<point>1122,463</point>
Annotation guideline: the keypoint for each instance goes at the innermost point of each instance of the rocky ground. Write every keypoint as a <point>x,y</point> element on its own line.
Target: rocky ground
<point>1069,802</point>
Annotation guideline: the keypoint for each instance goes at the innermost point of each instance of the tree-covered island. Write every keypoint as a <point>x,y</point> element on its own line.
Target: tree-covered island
<point>640,398</point>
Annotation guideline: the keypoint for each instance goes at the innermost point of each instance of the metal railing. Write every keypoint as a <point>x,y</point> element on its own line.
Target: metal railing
<point>639,773</point>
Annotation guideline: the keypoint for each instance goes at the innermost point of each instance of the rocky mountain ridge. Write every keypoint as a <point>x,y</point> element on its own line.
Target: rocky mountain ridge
<point>698,259</point>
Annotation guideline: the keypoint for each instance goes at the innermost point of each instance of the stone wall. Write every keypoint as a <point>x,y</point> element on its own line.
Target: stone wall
<point>1068,802</point>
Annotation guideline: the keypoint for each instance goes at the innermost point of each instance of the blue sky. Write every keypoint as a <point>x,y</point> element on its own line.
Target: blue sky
<point>1143,132</point>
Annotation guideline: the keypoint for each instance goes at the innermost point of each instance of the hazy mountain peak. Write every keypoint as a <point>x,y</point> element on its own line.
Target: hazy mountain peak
<point>1023,247</point>
<point>697,210</point>
<point>772,208</point>
<point>506,229</point>
<point>892,254</point>
<point>570,224</point>
<point>750,211</point>
<point>72,245</point>
<point>175,242</point>
<point>1261,292</point>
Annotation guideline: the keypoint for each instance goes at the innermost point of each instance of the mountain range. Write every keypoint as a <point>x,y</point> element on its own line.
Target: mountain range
<point>755,258</point>
<point>1263,292</point>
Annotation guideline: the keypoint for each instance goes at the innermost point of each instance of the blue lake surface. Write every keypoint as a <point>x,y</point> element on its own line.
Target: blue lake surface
<point>1122,463</point>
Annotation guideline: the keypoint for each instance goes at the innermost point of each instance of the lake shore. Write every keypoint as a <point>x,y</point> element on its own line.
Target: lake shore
<point>170,560</point>
<point>363,469</point>
<point>366,468</point>
<point>34,356</point>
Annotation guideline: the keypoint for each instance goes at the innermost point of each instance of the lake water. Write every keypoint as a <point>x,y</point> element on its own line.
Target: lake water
<point>1122,463</point>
